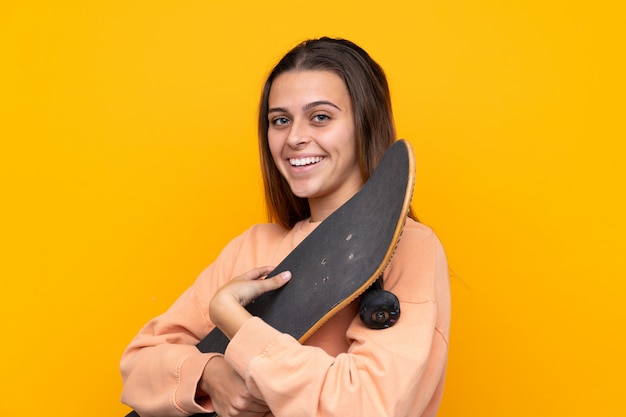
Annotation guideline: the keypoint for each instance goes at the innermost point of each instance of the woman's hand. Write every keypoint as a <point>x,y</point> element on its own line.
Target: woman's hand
<point>226,308</point>
<point>228,391</point>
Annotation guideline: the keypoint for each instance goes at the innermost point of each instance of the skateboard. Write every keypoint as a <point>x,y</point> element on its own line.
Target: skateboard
<point>337,262</point>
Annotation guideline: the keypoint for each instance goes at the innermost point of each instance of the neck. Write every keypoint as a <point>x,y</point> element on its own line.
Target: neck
<point>323,207</point>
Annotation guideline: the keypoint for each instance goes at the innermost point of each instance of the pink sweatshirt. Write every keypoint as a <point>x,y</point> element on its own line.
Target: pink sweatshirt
<point>343,369</point>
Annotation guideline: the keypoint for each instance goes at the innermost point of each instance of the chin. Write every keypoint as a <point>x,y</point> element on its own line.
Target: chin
<point>304,193</point>
<point>304,190</point>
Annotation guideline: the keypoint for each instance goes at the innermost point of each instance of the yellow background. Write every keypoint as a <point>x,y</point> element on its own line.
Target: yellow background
<point>128,159</point>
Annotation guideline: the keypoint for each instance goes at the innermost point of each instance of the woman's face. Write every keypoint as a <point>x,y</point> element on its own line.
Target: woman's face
<point>311,137</point>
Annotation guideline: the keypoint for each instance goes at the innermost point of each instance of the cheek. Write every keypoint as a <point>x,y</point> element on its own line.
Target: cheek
<point>274,143</point>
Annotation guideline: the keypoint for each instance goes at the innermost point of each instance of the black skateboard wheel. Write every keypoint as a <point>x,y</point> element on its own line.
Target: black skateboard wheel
<point>379,309</point>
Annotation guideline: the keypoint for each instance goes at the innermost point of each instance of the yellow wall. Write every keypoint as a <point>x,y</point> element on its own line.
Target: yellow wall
<point>128,159</point>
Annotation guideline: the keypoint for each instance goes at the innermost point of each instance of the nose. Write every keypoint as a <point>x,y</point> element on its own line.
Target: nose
<point>298,135</point>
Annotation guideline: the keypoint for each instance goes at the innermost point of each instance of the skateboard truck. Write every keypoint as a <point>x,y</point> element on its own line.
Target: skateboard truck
<point>379,309</point>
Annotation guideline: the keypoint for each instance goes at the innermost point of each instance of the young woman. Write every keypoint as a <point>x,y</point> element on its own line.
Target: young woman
<point>325,121</point>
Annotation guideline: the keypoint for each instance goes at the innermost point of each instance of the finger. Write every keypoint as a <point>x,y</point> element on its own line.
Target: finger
<point>247,291</point>
<point>275,282</point>
<point>256,273</point>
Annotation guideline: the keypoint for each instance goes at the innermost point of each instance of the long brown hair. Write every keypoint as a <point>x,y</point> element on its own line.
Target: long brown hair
<point>373,119</point>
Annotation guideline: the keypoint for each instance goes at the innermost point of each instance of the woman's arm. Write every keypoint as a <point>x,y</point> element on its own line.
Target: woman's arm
<point>392,372</point>
<point>227,391</point>
<point>227,306</point>
<point>164,373</point>
<point>162,365</point>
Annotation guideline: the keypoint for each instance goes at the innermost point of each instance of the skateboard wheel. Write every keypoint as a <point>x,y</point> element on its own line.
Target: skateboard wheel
<point>379,309</point>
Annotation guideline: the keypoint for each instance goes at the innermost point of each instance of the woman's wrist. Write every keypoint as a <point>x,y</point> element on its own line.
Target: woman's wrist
<point>210,370</point>
<point>228,315</point>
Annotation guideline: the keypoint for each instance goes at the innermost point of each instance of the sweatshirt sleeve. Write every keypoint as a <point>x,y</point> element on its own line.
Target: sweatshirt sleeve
<point>397,371</point>
<point>162,366</point>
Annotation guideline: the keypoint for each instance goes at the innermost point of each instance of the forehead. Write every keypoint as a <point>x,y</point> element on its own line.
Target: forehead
<point>302,87</point>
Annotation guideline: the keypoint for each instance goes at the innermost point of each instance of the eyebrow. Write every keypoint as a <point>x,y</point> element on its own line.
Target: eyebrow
<point>308,106</point>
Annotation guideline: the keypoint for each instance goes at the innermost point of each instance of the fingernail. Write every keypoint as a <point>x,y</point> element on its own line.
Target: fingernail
<point>285,275</point>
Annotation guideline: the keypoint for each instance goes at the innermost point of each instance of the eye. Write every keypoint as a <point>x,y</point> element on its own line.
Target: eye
<point>321,118</point>
<point>279,121</point>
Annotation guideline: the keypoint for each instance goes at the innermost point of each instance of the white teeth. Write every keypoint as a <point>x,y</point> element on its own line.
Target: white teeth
<point>299,162</point>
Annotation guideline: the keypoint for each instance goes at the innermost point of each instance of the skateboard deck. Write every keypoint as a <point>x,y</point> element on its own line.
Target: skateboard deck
<point>341,258</point>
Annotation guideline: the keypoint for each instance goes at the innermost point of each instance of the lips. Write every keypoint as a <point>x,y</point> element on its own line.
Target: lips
<point>300,162</point>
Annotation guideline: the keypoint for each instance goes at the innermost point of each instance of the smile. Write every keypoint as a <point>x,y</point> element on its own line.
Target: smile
<point>300,162</point>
